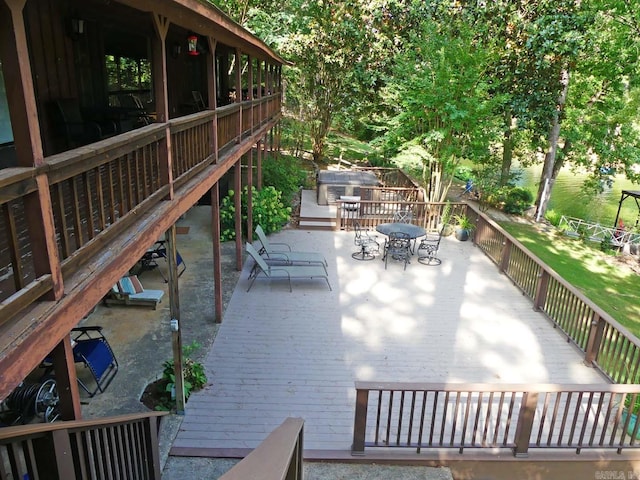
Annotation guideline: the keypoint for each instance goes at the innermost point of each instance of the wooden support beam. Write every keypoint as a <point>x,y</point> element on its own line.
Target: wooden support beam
<point>249,189</point>
<point>237,203</point>
<point>174,306</point>
<point>260,147</point>
<point>42,231</point>
<point>238,73</point>
<point>217,250</point>
<point>18,80</point>
<point>66,380</point>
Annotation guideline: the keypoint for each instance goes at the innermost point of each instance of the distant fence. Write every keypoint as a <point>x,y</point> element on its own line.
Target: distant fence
<point>576,227</point>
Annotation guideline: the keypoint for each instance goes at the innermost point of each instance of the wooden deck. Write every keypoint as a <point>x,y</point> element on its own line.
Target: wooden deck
<point>280,354</point>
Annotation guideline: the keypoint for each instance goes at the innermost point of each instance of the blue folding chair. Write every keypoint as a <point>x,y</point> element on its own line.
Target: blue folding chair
<point>90,347</point>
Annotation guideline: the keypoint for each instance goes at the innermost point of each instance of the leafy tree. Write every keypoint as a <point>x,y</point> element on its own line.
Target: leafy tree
<point>439,97</point>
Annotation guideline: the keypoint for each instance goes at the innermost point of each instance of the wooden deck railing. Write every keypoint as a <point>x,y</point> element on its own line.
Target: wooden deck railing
<point>109,448</point>
<point>278,457</point>
<point>516,417</point>
<point>370,213</point>
<point>606,344</point>
<point>94,192</point>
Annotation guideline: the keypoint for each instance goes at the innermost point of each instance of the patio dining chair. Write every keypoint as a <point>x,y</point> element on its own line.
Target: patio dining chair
<point>368,244</point>
<point>283,272</point>
<point>428,248</point>
<point>403,216</point>
<point>398,247</point>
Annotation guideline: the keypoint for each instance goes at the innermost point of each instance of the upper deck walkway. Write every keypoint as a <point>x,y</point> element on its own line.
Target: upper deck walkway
<point>279,354</point>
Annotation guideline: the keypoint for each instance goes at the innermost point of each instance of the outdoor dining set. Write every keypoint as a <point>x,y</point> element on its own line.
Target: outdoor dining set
<point>400,244</point>
<point>403,240</point>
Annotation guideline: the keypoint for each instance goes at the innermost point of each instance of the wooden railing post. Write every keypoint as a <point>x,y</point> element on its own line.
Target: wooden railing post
<point>360,422</point>
<point>596,331</point>
<point>505,256</point>
<point>63,454</point>
<point>541,290</point>
<point>525,424</point>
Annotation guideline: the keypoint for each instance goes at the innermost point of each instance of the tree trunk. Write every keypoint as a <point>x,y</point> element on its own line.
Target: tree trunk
<point>507,149</point>
<point>551,168</point>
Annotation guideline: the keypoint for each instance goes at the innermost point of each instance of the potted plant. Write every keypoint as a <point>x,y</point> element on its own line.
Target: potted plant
<point>464,226</point>
<point>632,411</point>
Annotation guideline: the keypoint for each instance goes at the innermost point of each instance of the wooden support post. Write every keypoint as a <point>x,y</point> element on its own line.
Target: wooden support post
<point>217,251</point>
<point>541,290</point>
<point>506,255</point>
<point>250,189</point>
<point>63,454</point>
<point>525,424</point>
<point>237,203</point>
<point>174,307</point>
<point>596,332</point>
<point>42,232</point>
<point>18,80</point>
<point>251,87</point>
<point>158,45</point>
<point>212,90</point>
<point>66,380</point>
<point>238,72</point>
<point>259,165</point>
<point>360,421</point>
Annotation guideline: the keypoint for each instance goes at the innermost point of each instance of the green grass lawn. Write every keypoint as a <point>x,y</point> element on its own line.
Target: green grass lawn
<point>597,275</point>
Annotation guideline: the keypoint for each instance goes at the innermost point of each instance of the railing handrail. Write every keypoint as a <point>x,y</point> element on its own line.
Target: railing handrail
<point>278,457</point>
<point>498,387</point>
<point>15,432</point>
<point>514,416</point>
<point>125,446</point>
<point>594,342</point>
<point>553,273</point>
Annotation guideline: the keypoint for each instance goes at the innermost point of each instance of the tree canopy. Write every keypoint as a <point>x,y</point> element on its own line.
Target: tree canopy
<point>538,81</point>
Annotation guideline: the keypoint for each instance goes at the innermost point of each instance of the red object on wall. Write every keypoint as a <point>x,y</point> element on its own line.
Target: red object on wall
<point>192,45</point>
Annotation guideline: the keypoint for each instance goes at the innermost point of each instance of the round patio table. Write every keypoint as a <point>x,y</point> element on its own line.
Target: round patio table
<point>414,231</point>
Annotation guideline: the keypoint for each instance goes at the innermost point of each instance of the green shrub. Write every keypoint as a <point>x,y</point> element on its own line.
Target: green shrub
<point>268,211</point>
<point>517,200</point>
<point>553,217</point>
<point>463,173</point>
<point>284,174</point>
<point>605,243</point>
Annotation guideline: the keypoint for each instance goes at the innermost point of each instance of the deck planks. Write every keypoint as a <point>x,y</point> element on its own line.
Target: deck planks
<point>279,354</point>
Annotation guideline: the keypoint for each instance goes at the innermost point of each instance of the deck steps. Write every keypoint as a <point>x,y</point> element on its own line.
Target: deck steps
<point>316,223</point>
<point>314,216</point>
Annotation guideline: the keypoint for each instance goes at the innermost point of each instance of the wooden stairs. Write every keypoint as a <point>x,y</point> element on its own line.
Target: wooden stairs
<point>314,216</point>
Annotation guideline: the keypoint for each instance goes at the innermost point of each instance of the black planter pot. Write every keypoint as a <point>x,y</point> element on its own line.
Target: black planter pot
<point>462,234</point>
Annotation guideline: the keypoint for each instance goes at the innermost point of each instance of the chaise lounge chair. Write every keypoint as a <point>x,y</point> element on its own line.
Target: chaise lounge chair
<point>286,257</point>
<point>287,272</point>
<point>129,291</point>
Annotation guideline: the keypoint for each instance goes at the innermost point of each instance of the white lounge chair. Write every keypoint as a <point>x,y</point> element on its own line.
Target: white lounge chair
<point>129,291</point>
<point>287,272</point>
<point>287,257</point>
